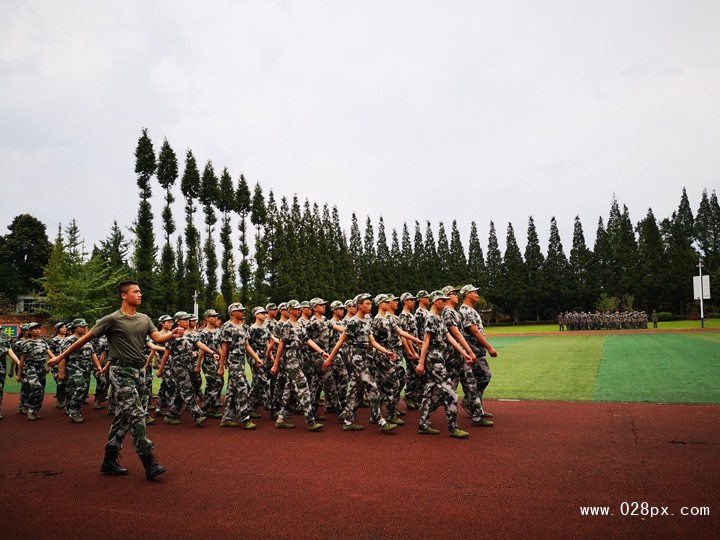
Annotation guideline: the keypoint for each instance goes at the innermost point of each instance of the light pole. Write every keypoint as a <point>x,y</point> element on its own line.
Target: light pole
<point>195,304</point>
<point>702,314</point>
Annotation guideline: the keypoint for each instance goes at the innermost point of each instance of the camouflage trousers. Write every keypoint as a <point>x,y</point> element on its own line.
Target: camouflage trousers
<point>361,379</point>
<point>340,375</point>
<point>281,381</point>
<point>102,384</point>
<point>236,399</point>
<point>76,387</point>
<point>60,385</point>
<point>148,390</point>
<point>460,372</point>
<point>296,385</point>
<point>33,384</point>
<point>414,383</point>
<point>260,387</point>
<point>438,390</point>
<point>320,381</point>
<point>167,391</point>
<point>389,376</point>
<point>3,374</point>
<point>182,370</point>
<point>213,384</point>
<point>129,387</point>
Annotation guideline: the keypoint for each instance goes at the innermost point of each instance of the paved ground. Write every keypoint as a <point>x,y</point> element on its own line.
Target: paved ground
<point>526,477</point>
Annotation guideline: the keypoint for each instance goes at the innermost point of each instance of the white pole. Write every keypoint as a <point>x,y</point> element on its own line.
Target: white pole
<point>702,314</point>
<point>195,304</point>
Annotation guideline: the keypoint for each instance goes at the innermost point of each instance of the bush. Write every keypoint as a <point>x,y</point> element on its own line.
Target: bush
<point>665,316</point>
<point>712,316</point>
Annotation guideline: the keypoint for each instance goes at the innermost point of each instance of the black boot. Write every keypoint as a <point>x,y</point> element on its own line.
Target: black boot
<point>152,467</point>
<point>110,464</point>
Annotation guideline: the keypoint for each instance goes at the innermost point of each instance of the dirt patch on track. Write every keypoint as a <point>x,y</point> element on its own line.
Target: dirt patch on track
<point>527,476</point>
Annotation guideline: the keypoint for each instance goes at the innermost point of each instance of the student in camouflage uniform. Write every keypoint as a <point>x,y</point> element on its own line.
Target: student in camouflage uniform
<point>18,348</point>
<point>167,391</point>
<point>293,336</point>
<point>261,343</point>
<point>438,387</point>
<point>61,333</point>
<point>472,328</point>
<point>270,324</point>
<point>5,351</point>
<point>182,366</point>
<point>210,336</point>
<point>127,331</point>
<point>358,334</point>
<point>102,381</point>
<point>73,369</point>
<point>413,382</point>
<point>280,378</point>
<point>195,376</point>
<point>31,370</point>
<point>339,369</point>
<point>233,346</point>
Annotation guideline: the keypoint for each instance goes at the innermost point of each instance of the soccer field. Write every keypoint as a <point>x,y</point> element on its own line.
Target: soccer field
<point>652,367</point>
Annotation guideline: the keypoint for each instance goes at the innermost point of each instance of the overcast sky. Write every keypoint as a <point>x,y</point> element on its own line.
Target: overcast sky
<point>467,110</point>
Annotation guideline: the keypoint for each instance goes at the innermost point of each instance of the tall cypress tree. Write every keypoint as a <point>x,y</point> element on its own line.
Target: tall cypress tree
<point>496,285</point>
<point>536,295</point>
<point>192,283</point>
<point>581,260</point>
<point>227,203</point>
<point>396,281</point>
<point>368,262</point>
<point>384,264</point>
<point>114,249</point>
<point>407,270</point>
<point>356,251</point>
<point>430,270</point>
<point>344,268</point>
<point>601,262</point>
<point>418,256</point>
<point>145,249</point>
<point>651,256</point>
<point>259,219</point>
<point>477,270</point>
<point>208,198</point>
<point>623,254</point>
<point>556,271</point>
<point>514,276</point>
<point>443,251</point>
<point>243,201</point>
<point>167,173</point>
<point>458,264</point>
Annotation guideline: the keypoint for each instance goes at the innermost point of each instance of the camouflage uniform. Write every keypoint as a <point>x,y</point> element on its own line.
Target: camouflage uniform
<point>195,377</point>
<point>236,399</point>
<point>56,347</point>
<point>19,348</point>
<point>34,373</point>
<point>413,382</point>
<point>168,390</point>
<point>438,388</point>
<point>339,367</point>
<point>480,367</point>
<point>129,386</point>
<point>270,326</point>
<point>387,375</point>
<point>183,363</point>
<point>358,332</point>
<point>213,381</point>
<point>294,336</point>
<point>76,365</point>
<point>319,331</point>
<point>103,380</point>
<point>258,337</point>
<point>4,348</point>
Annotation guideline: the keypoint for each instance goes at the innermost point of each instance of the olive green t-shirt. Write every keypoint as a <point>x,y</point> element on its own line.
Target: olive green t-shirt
<point>126,337</point>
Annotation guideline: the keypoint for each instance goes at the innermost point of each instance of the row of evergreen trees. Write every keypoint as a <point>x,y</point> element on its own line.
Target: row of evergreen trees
<point>301,251</point>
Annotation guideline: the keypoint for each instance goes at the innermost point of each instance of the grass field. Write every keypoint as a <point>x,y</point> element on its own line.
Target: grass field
<point>665,367</point>
<point>543,328</point>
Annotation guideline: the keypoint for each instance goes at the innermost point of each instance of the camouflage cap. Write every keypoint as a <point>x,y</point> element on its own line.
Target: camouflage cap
<point>60,324</point>
<point>237,306</point>
<point>294,304</point>
<point>78,322</point>
<point>163,318</point>
<point>404,297</point>
<point>380,298</point>
<point>33,324</point>
<point>193,317</point>
<point>437,295</point>
<point>271,307</point>
<point>182,315</point>
<point>282,306</point>
<point>25,326</point>
<point>468,289</point>
<point>210,313</point>
<point>337,304</point>
<point>447,291</point>
<point>258,309</point>
<point>361,298</point>
<point>422,294</point>
<point>391,297</point>
<point>316,302</point>
<point>349,303</point>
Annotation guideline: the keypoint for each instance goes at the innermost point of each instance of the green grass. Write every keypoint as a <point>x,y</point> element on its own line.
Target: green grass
<point>542,328</point>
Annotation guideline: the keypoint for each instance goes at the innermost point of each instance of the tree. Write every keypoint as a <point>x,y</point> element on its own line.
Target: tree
<point>534,262</point>
<point>496,285</point>
<point>429,271</point>
<point>190,187</point>
<point>600,267</point>
<point>457,264</point>
<point>114,249</point>
<point>651,264</point>
<point>514,276</point>
<point>259,219</point>
<point>226,203</point>
<point>167,173</point>
<point>384,280</point>
<point>242,205</point>
<point>443,251</point>
<point>556,271</point>
<point>368,260</point>
<point>356,251</point>
<point>581,260</point>
<point>406,268</point>
<point>622,251</point>
<point>144,257</point>
<point>208,198</point>
<point>477,270</point>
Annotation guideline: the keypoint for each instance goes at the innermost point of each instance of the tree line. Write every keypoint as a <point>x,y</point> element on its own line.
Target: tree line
<point>299,250</point>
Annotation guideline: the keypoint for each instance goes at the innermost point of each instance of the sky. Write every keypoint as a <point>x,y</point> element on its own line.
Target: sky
<point>410,110</point>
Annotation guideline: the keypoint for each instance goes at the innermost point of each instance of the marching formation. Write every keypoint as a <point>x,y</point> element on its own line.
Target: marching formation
<point>302,356</point>
<point>626,320</point>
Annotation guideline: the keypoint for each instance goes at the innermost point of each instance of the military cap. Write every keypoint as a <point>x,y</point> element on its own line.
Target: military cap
<point>258,309</point>
<point>282,306</point>
<point>210,313</point>
<point>271,307</point>
<point>193,317</point>
<point>182,315</point>
<point>422,294</point>
<point>437,295</point>
<point>305,304</point>
<point>25,326</point>
<point>337,304</point>
<point>79,322</point>
<point>33,324</point>
<point>404,297</point>
<point>163,318</point>
<point>349,303</point>
<point>391,297</point>
<point>237,306</point>
<point>361,298</point>
<point>468,289</point>
<point>316,302</point>
<point>294,304</point>
<point>60,324</point>
<point>380,298</point>
<point>447,291</point>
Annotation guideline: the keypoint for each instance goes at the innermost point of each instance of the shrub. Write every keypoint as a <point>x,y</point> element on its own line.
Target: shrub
<point>665,316</point>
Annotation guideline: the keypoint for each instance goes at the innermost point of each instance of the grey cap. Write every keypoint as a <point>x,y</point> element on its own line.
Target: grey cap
<point>60,324</point>
<point>349,303</point>
<point>447,291</point>
<point>33,324</point>
<point>337,304</point>
<point>193,317</point>
<point>391,297</point>
<point>380,298</point>
<point>182,315</point>
<point>271,307</point>
<point>437,295</point>
<point>237,306</point>
<point>163,318</point>
<point>468,289</point>
<point>316,302</point>
<point>294,304</point>
<point>304,304</point>
<point>422,294</point>
<point>361,298</point>
<point>282,306</point>
<point>404,297</point>
<point>258,309</point>
<point>78,322</point>
<point>25,326</point>
<point>210,313</point>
